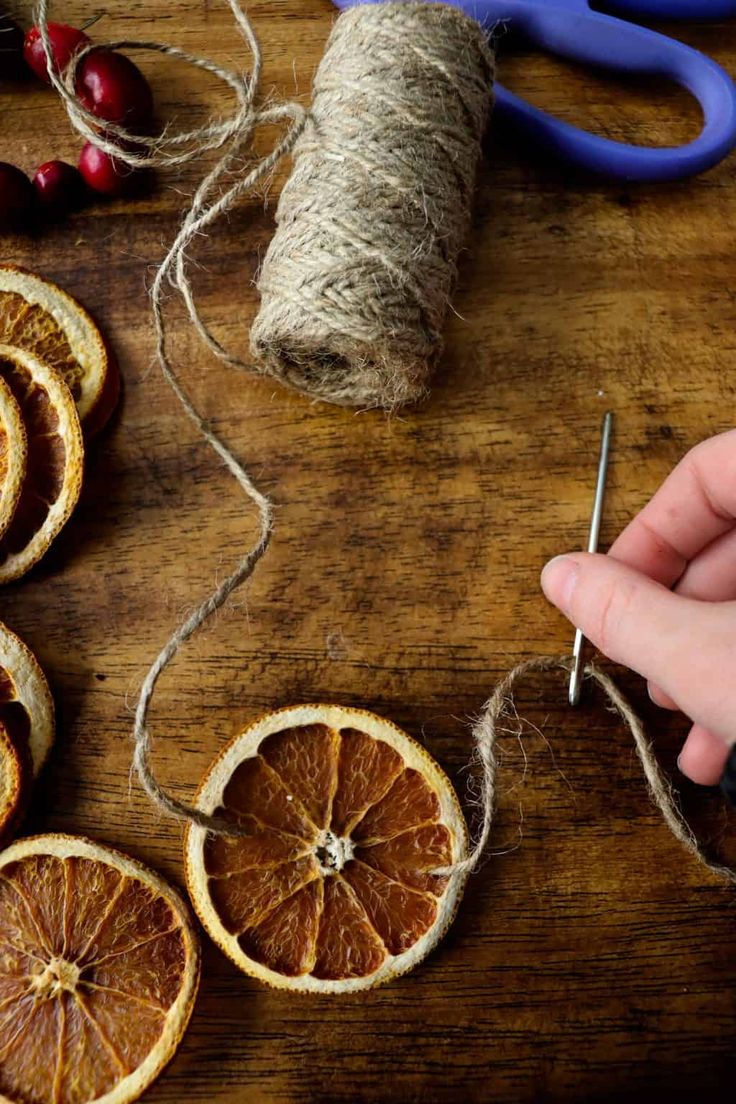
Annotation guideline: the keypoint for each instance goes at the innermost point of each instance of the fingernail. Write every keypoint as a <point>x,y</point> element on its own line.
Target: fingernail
<point>559,578</point>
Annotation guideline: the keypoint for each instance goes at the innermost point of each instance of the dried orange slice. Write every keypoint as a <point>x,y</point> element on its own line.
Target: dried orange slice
<point>14,783</point>
<point>99,967</point>
<point>55,460</point>
<point>26,705</point>
<point>335,888</point>
<point>13,455</point>
<point>38,315</point>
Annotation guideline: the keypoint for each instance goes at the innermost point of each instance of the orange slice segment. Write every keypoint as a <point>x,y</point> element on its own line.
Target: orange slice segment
<point>99,968</point>
<point>39,316</point>
<point>53,479</point>
<point>411,857</point>
<point>26,705</point>
<point>335,886</point>
<point>13,455</point>
<point>14,780</point>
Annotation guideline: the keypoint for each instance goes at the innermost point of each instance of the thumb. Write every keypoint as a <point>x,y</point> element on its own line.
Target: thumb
<point>686,647</point>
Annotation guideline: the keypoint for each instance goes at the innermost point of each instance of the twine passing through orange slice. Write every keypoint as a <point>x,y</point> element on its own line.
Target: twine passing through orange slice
<point>13,455</point>
<point>99,967</point>
<point>55,462</point>
<point>38,315</point>
<point>15,778</point>
<point>335,888</point>
<point>26,705</point>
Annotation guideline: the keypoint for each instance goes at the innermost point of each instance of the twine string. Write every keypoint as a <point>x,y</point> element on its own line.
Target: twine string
<point>487,730</point>
<point>213,198</point>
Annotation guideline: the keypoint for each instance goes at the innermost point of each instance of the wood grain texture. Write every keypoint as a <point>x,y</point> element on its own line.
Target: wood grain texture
<point>590,961</point>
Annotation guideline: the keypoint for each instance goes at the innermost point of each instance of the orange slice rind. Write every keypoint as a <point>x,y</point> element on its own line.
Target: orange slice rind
<point>55,462</point>
<point>38,315</point>
<point>13,455</point>
<point>26,705</point>
<point>335,887</point>
<point>99,969</point>
<point>14,783</point>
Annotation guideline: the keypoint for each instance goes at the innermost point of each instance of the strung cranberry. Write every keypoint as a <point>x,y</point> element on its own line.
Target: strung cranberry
<point>59,187</point>
<point>65,42</point>
<point>113,88</point>
<point>11,49</point>
<point>16,197</point>
<point>103,173</point>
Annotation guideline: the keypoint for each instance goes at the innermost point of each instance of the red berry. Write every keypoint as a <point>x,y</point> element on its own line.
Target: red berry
<point>16,196</point>
<point>11,49</point>
<point>65,42</point>
<point>59,187</point>
<point>105,174</point>
<point>113,88</point>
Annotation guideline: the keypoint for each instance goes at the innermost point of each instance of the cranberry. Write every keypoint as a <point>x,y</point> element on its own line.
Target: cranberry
<point>105,174</point>
<point>113,88</point>
<point>65,42</point>
<point>59,187</point>
<point>11,49</point>
<point>16,196</point>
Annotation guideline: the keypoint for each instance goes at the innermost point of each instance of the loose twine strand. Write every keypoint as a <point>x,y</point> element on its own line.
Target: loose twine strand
<point>485,736</point>
<point>213,198</point>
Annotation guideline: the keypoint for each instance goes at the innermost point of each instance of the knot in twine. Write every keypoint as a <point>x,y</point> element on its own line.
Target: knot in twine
<point>356,281</point>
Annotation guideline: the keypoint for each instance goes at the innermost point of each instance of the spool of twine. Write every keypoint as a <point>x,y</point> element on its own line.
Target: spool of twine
<point>356,282</point>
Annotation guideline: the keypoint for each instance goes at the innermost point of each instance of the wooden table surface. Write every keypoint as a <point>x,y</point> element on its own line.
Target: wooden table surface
<point>591,960</point>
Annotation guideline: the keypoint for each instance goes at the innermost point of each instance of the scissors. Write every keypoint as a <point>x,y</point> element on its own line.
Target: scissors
<point>572,29</point>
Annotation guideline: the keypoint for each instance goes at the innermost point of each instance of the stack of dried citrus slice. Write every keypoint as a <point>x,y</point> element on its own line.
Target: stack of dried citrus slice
<point>57,378</point>
<point>341,881</point>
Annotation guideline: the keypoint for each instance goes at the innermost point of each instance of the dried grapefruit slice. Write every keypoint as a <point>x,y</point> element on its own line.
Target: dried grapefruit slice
<point>99,966</point>
<point>55,463</point>
<point>13,455</point>
<point>335,887</point>
<point>26,705</point>
<point>38,315</point>
<point>14,782</point>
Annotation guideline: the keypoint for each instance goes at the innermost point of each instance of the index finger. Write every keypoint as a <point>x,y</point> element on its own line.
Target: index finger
<point>695,505</point>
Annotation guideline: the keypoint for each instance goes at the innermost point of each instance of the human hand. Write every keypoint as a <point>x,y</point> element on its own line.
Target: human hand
<point>663,600</point>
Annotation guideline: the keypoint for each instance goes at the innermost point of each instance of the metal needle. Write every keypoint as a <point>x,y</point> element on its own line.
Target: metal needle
<point>576,677</point>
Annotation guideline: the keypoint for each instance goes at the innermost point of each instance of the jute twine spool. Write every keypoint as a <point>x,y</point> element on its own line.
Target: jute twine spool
<point>355,285</point>
<point>221,186</point>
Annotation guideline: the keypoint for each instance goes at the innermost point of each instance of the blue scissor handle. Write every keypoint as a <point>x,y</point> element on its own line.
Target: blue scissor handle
<point>673,9</point>
<point>578,33</point>
<point>569,28</point>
